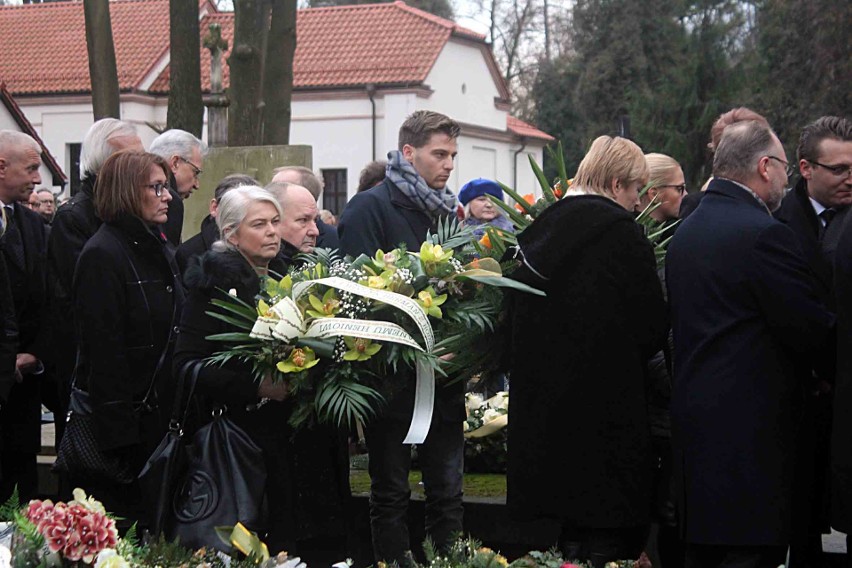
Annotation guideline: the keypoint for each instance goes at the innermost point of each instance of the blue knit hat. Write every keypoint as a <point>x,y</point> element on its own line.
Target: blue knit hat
<point>475,188</point>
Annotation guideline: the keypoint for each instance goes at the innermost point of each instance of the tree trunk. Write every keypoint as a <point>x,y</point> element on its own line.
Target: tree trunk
<point>278,73</point>
<point>245,62</point>
<point>186,110</point>
<point>101,51</point>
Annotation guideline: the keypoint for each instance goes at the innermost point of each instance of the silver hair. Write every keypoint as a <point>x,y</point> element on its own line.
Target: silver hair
<point>233,208</point>
<point>176,143</point>
<point>12,141</point>
<point>741,146</point>
<point>96,147</point>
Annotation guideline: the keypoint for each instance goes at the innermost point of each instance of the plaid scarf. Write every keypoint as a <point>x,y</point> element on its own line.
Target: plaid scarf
<point>435,202</point>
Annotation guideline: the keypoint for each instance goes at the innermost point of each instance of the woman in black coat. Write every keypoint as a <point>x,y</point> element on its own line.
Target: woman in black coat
<point>580,448</point>
<point>127,298</point>
<point>248,219</point>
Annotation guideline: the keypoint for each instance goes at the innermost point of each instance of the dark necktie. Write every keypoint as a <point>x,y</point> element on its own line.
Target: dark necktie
<point>14,242</point>
<point>826,215</point>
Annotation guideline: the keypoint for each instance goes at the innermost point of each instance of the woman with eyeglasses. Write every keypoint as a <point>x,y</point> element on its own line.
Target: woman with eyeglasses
<point>127,298</point>
<point>667,187</point>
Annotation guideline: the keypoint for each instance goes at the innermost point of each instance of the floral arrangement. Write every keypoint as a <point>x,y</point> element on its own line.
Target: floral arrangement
<point>76,533</point>
<point>526,208</point>
<point>336,328</point>
<point>485,417</point>
<point>469,553</point>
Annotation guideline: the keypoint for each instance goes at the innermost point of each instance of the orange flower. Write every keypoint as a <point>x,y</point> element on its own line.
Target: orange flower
<point>485,241</point>
<point>529,198</point>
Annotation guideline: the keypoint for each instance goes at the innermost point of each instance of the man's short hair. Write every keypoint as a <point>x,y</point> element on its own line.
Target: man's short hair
<point>307,178</point>
<point>231,181</point>
<point>45,190</point>
<point>827,127</point>
<point>733,116</point>
<point>419,127</point>
<point>372,174</point>
<point>741,146</point>
<point>96,147</point>
<point>176,142</point>
<point>13,143</point>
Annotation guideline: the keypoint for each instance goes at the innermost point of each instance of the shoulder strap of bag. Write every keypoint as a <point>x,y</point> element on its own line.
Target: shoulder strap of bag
<point>189,371</point>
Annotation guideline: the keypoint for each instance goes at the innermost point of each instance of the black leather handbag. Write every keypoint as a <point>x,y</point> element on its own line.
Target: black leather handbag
<point>218,479</point>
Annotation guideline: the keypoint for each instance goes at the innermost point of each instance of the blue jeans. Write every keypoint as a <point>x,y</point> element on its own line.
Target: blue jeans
<point>441,460</point>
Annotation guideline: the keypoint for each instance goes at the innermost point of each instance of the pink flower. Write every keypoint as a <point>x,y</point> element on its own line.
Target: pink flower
<point>570,565</point>
<point>37,510</point>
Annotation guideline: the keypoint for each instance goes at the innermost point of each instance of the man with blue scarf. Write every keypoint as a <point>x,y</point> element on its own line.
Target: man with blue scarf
<point>400,211</point>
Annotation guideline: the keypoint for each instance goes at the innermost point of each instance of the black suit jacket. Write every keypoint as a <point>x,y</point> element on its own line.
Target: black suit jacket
<point>797,212</point>
<point>20,418</point>
<point>746,317</point>
<point>174,223</point>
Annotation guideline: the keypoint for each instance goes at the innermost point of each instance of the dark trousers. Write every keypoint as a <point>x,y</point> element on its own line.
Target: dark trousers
<point>601,545</point>
<point>441,460</point>
<point>18,469</point>
<point>711,556</point>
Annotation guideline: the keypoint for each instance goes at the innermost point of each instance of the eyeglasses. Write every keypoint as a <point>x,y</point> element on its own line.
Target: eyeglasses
<point>840,170</point>
<point>196,171</point>
<point>680,188</point>
<point>159,188</point>
<point>787,167</point>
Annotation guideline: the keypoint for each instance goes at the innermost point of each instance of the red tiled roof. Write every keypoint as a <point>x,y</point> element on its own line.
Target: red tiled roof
<point>385,44</point>
<point>59,177</point>
<point>44,45</point>
<point>520,128</point>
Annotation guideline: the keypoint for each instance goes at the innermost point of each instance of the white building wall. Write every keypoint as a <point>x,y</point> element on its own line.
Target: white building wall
<point>463,87</point>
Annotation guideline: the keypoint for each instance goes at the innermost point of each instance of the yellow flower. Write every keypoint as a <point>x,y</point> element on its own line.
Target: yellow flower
<point>376,282</point>
<point>300,359</point>
<point>434,253</point>
<point>429,302</point>
<point>326,307</point>
<point>359,348</point>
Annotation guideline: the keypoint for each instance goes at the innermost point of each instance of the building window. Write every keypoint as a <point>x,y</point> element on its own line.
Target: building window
<point>334,190</point>
<point>74,167</point>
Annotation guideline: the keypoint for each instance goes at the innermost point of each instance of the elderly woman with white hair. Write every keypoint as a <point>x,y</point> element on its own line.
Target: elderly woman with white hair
<point>248,219</point>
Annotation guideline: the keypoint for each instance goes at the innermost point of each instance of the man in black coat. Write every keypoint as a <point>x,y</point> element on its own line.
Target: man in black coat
<point>814,210</point>
<point>24,250</point>
<point>745,317</point>
<point>400,211</point>
<point>74,224</point>
<point>300,175</point>
<point>209,232</point>
<point>185,155</point>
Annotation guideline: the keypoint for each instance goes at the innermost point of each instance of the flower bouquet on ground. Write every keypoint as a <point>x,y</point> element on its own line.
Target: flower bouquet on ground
<point>338,329</point>
<point>485,417</point>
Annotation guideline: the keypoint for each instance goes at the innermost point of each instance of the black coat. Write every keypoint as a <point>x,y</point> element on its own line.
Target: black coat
<point>810,491</point>
<point>74,224</point>
<point>304,488</point>
<point>127,296</point>
<point>8,335</point>
<point>383,218</point>
<point>197,245</point>
<point>746,317</point>
<point>327,235</point>
<point>174,223</point>
<point>841,435</point>
<point>579,449</point>
<point>20,418</point>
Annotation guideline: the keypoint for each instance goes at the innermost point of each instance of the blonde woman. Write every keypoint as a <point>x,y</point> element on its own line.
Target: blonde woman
<point>577,361</point>
<point>667,187</point>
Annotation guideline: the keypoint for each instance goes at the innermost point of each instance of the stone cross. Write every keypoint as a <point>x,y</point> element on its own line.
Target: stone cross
<point>217,101</point>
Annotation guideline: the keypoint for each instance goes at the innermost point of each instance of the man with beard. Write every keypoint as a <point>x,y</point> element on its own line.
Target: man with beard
<point>745,318</point>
